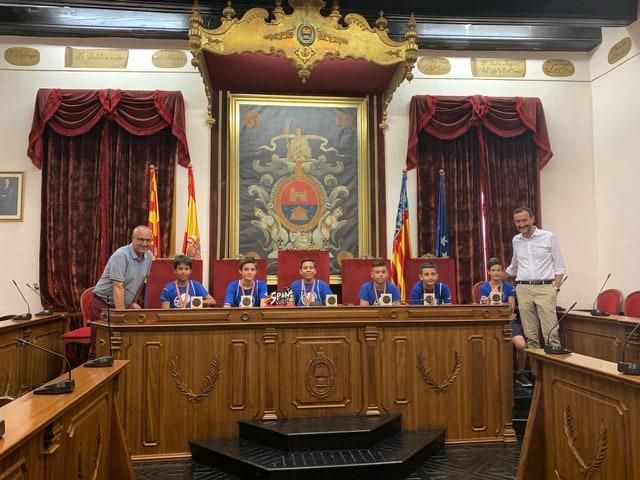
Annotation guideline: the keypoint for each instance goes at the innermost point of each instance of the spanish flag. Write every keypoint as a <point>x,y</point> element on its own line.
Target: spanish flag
<point>191,241</point>
<point>401,240</point>
<point>154,213</point>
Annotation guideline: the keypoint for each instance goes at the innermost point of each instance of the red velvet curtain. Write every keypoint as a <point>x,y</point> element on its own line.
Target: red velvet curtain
<point>507,142</point>
<point>95,148</point>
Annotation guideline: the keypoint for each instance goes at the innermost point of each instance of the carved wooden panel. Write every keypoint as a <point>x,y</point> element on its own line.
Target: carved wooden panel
<point>401,357</point>
<point>9,357</point>
<point>237,374</point>
<point>479,383</point>
<point>151,394</point>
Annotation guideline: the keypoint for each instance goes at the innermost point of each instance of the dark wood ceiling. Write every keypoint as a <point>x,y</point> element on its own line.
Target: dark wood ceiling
<point>548,25</point>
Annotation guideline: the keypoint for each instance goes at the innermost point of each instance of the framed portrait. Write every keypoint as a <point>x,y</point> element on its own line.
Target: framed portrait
<point>11,195</point>
<point>299,176</point>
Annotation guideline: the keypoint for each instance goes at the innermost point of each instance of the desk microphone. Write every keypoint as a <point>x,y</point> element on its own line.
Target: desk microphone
<point>45,311</point>
<point>629,368</point>
<point>557,349</point>
<point>105,360</point>
<point>596,312</point>
<point>63,386</point>
<point>23,316</point>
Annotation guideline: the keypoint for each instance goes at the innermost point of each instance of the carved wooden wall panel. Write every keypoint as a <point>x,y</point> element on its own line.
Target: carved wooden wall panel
<point>481,380</point>
<point>402,363</point>
<point>152,396</point>
<point>23,464</point>
<point>237,377</point>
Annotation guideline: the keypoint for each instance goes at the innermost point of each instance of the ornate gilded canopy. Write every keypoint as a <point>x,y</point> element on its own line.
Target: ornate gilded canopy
<point>303,52</point>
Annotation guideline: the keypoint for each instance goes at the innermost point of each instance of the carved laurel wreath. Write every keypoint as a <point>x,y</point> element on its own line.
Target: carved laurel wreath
<point>572,440</point>
<point>425,372</point>
<point>208,384</point>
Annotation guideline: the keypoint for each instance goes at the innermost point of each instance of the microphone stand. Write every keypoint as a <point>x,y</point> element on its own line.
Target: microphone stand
<point>629,368</point>
<point>45,311</point>
<point>63,386</point>
<point>596,312</point>
<point>105,360</point>
<point>23,316</point>
<point>557,349</point>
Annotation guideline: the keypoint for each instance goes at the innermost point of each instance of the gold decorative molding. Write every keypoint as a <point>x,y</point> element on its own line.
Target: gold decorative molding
<point>619,50</point>
<point>499,67</point>
<point>208,384</point>
<point>96,57</point>
<point>22,56</point>
<point>425,372</point>
<point>432,65</point>
<point>572,442</point>
<point>169,59</point>
<point>558,68</point>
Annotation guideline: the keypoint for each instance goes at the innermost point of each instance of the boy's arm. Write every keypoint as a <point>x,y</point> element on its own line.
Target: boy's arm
<point>165,304</point>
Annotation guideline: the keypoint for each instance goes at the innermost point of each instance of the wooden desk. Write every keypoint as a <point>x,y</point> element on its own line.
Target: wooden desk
<point>585,417</point>
<point>77,435</point>
<point>22,370</point>
<point>601,337</point>
<point>194,373</point>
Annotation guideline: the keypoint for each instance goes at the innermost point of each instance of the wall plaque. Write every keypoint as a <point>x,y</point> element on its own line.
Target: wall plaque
<point>96,57</point>
<point>22,56</point>
<point>434,65</point>
<point>558,68</point>
<point>619,50</point>
<point>169,59</point>
<point>498,67</point>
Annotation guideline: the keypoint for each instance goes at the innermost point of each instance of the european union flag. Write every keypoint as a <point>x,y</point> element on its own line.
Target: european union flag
<point>441,248</point>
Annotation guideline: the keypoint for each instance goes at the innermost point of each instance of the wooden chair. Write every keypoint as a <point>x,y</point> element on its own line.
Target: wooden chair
<point>81,335</point>
<point>476,292</point>
<point>632,304</point>
<point>610,301</point>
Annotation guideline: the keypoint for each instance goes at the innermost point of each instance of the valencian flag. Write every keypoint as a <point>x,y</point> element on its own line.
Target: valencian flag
<point>191,240</point>
<point>441,248</point>
<point>154,213</point>
<point>401,240</point>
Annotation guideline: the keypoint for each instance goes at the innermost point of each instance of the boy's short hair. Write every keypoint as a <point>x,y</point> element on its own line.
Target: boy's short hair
<point>307,259</point>
<point>428,265</point>
<point>523,209</point>
<point>379,262</point>
<point>247,259</point>
<point>182,260</point>
<point>493,261</point>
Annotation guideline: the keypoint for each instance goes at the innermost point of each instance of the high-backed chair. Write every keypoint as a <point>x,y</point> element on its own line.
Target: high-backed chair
<point>226,270</point>
<point>289,265</point>
<point>632,304</point>
<point>476,292</point>
<point>610,301</point>
<point>355,272</point>
<point>161,273</point>
<point>81,335</point>
<point>446,270</point>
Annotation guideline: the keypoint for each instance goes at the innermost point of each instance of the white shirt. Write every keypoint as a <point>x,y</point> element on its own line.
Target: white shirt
<point>536,258</point>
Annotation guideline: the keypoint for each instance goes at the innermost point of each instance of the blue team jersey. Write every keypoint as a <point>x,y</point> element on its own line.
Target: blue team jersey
<point>441,291</point>
<point>369,293</point>
<point>313,292</point>
<point>235,291</point>
<point>507,291</point>
<point>193,289</point>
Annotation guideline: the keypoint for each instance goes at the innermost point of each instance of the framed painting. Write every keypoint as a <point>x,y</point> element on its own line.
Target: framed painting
<point>299,176</point>
<point>11,195</point>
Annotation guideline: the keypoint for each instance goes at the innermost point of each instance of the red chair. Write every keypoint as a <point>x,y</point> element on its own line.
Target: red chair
<point>162,272</point>
<point>632,304</point>
<point>226,270</point>
<point>476,292</point>
<point>289,265</point>
<point>79,336</point>
<point>355,272</point>
<point>610,301</point>
<point>446,269</point>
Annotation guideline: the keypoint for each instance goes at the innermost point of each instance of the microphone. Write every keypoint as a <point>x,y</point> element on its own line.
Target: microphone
<point>63,386</point>
<point>557,349</point>
<point>24,316</point>
<point>105,360</point>
<point>596,312</point>
<point>45,311</point>
<point>629,368</point>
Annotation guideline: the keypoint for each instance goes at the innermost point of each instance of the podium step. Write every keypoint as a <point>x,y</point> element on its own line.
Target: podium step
<point>394,457</point>
<point>321,433</point>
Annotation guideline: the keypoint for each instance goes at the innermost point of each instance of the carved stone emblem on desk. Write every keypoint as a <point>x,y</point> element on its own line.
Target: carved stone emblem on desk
<point>208,383</point>
<point>320,378</point>
<point>425,372</point>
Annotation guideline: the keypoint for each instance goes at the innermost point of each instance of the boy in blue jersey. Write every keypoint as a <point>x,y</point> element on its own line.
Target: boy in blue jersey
<point>309,291</point>
<point>497,285</point>
<point>179,292</point>
<point>371,291</point>
<point>247,285</point>
<point>429,283</point>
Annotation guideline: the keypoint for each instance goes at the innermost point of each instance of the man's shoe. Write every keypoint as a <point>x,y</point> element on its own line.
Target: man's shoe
<point>523,380</point>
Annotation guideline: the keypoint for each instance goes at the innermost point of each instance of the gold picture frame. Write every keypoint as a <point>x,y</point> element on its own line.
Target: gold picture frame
<point>299,176</point>
<point>11,196</point>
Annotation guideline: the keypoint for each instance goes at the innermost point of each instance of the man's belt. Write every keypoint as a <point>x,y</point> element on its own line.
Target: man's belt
<point>103,300</point>
<point>534,282</point>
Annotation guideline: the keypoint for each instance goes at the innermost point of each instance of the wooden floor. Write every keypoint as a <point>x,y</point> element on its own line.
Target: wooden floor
<point>497,461</point>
